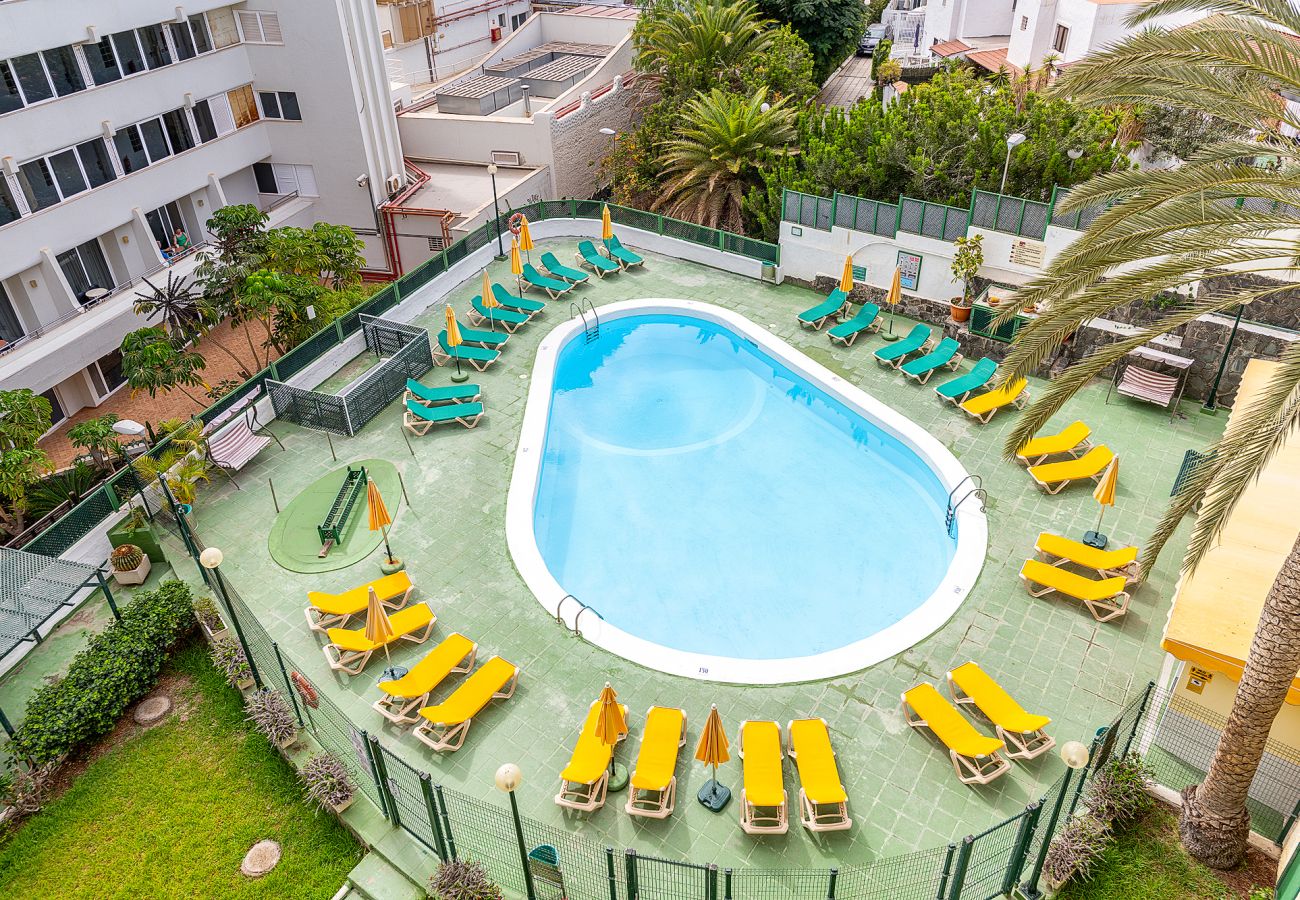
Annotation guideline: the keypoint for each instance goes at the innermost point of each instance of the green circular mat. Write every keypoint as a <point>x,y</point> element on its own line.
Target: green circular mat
<point>294,542</point>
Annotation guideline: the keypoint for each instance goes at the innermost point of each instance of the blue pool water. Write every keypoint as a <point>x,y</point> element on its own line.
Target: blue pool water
<point>700,495</point>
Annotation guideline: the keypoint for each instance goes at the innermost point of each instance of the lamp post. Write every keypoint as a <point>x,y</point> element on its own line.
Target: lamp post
<point>211,559</point>
<point>613,153</point>
<point>1075,155</point>
<point>508,778</point>
<point>1211,402</point>
<point>1075,755</point>
<point>496,207</point>
<point>1013,141</point>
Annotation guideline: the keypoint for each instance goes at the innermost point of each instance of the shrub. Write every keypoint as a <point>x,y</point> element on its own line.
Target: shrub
<point>118,667</point>
<point>230,660</point>
<point>1118,794</point>
<point>1076,849</point>
<point>271,715</point>
<point>328,782</point>
<point>462,879</point>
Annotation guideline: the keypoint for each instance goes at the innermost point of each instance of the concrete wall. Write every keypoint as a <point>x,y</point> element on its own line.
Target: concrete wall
<point>983,18</point>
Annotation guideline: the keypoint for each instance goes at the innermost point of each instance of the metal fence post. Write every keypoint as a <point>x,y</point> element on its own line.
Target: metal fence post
<point>726,884</point>
<point>275,373</point>
<point>945,872</point>
<point>610,874</point>
<point>1137,719</point>
<point>220,586</point>
<point>374,774</point>
<point>711,882</point>
<point>629,859</point>
<point>431,809</point>
<point>1286,828</point>
<point>830,886</point>
<point>1020,849</point>
<point>1083,776</point>
<point>446,822</point>
<point>1029,889</point>
<point>297,713</point>
<point>963,863</point>
<point>381,776</point>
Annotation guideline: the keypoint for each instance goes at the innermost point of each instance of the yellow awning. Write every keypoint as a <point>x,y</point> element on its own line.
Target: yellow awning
<point>1215,611</point>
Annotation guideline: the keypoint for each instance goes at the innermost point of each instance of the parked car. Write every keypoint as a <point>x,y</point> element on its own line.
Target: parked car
<point>871,39</point>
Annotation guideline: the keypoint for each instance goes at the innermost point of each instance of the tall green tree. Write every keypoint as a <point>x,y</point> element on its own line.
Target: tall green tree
<point>683,48</point>
<point>20,469</point>
<point>1169,230</point>
<point>712,164</point>
<point>153,363</point>
<point>24,417</point>
<point>98,437</point>
<point>832,28</point>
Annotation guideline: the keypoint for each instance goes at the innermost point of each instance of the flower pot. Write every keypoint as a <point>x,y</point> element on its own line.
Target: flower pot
<point>287,742</point>
<point>136,575</point>
<point>214,634</point>
<point>143,537</point>
<point>244,684</point>
<point>338,808</point>
<point>959,311</point>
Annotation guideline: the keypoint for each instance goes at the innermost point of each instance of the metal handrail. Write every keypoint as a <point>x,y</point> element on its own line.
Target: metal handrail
<point>582,608</point>
<point>976,490</point>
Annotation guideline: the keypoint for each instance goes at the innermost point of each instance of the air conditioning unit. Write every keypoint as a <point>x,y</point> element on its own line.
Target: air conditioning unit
<point>506,158</point>
<point>393,183</point>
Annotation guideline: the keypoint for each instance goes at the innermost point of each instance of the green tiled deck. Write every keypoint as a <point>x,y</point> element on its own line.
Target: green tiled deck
<point>903,793</point>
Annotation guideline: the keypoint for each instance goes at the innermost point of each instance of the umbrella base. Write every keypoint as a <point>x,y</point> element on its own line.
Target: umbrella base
<point>1095,539</point>
<point>458,377</point>
<point>618,777</point>
<point>890,336</point>
<point>389,567</point>
<point>714,796</point>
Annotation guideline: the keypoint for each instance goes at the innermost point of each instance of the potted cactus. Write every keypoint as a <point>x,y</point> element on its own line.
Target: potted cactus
<point>130,564</point>
<point>328,782</point>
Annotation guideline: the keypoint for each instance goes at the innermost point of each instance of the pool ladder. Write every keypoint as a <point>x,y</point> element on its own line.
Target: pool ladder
<point>975,489</point>
<point>582,608</point>
<point>590,329</point>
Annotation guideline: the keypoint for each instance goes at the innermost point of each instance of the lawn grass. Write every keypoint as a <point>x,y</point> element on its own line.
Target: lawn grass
<point>172,811</point>
<point>1146,862</point>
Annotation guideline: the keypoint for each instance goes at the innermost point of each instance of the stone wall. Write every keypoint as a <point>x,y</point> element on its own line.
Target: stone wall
<point>579,146</point>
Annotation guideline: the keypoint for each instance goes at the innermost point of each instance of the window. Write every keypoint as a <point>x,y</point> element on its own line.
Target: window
<point>203,121</point>
<point>501,20</point>
<point>265,176</point>
<point>242,105</point>
<point>163,223</point>
<point>183,41</point>
<point>126,45</point>
<point>32,80</point>
<point>57,414</point>
<point>518,20</point>
<point>177,126</point>
<point>37,181</point>
<point>280,105</point>
<point>47,180</point>
<point>282,178</point>
<point>9,210</point>
<point>260,27</point>
<point>155,141</point>
<point>65,71</point>
<point>1024,22</point>
<point>96,162</point>
<point>10,328</point>
<point>199,29</point>
<point>1060,38</point>
<point>101,58</point>
<point>110,367</point>
<point>67,171</point>
<point>222,27</point>
<point>154,45</point>
<point>130,149</point>
<point>85,268</point>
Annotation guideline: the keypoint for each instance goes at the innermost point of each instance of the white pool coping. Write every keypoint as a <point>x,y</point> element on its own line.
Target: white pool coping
<point>972,534</point>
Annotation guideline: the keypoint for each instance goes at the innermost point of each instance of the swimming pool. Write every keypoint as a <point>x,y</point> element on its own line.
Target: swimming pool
<point>727,508</point>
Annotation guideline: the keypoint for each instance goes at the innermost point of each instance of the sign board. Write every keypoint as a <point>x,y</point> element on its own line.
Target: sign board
<point>359,745</point>
<point>860,274</point>
<point>1198,678</point>
<point>909,267</point>
<point>1028,253</point>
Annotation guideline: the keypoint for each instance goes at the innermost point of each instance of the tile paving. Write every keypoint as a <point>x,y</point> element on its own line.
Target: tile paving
<point>903,794</point>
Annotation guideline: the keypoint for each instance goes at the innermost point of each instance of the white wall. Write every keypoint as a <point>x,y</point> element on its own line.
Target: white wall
<point>1029,44</point>
<point>983,18</point>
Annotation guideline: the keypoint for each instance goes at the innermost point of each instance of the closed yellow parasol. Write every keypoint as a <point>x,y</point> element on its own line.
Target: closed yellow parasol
<point>454,340</point>
<point>525,237</point>
<point>378,629</point>
<point>893,298</point>
<point>1104,494</point>
<point>713,750</point>
<point>606,226</point>
<point>516,264</point>
<point>846,279</point>
<point>611,727</point>
<point>379,516</point>
<point>489,300</point>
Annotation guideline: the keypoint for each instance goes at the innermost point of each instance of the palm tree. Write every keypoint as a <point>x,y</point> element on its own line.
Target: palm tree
<point>1178,231</point>
<point>185,313</point>
<point>713,161</point>
<point>712,35</point>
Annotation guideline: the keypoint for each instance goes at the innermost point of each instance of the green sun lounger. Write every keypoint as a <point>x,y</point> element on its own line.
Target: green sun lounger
<point>621,255</point>
<point>560,270</point>
<point>602,266</point>
<point>867,319</point>
<point>955,390</point>
<point>510,318</point>
<point>828,308</point>
<point>478,357</point>
<point>483,338</point>
<point>519,304</point>
<point>554,287</point>
<point>451,393</point>
<point>418,419</point>
<point>945,355</point>
<point>894,354</point>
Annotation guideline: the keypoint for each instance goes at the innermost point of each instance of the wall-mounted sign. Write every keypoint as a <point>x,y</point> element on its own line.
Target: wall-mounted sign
<point>1198,678</point>
<point>796,231</point>
<point>860,274</point>
<point>909,267</point>
<point>1028,253</point>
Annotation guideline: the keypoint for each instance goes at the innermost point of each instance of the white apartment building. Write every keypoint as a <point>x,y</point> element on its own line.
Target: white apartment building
<point>1019,34</point>
<point>120,122</point>
<point>426,41</point>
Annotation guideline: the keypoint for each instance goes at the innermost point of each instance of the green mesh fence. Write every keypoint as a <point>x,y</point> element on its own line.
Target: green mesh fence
<point>861,214</point>
<point>998,212</point>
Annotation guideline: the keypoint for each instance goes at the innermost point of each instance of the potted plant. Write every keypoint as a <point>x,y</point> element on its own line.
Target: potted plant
<point>210,618</point>
<point>135,529</point>
<point>271,715</point>
<point>328,782</point>
<point>230,660</point>
<point>966,263</point>
<point>462,879</point>
<point>1074,851</point>
<point>130,565</point>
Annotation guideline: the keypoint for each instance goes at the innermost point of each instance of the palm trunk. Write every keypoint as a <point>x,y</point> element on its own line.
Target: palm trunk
<point>1215,823</point>
<point>243,366</point>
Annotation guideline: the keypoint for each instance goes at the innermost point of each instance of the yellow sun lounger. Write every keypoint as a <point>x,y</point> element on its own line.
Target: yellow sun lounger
<point>1072,439</point>
<point>1105,599</point>
<point>584,780</point>
<point>333,610</point>
<point>976,758</point>
<point>349,649</point>
<point>1022,732</point>
<point>983,406</point>
<point>652,791</point>
<point>1054,476</point>
<point>763,806</point>
<point>1059,550</point>
<point>404,697</point>
<point>446,724</point>
<point>823,804</point>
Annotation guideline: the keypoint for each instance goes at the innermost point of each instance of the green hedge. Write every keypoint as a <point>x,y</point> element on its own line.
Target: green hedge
<point>118,667</point>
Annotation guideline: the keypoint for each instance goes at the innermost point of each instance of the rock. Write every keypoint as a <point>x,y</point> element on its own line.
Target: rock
<point>261,858</point>
<point>152,710</point>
